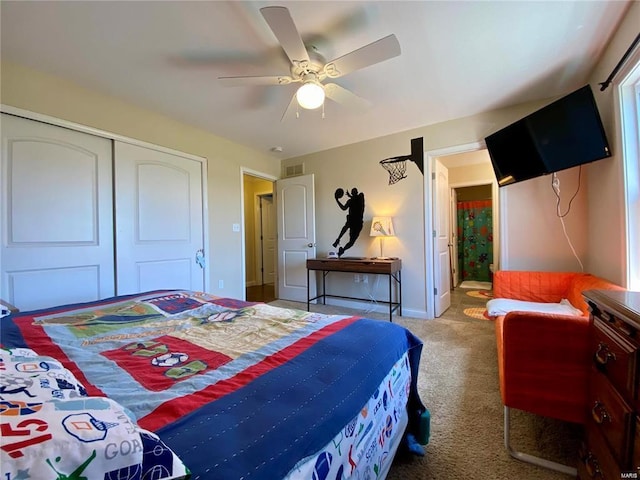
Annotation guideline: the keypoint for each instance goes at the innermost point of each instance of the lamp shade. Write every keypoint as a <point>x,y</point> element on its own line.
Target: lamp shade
<point>382,227</point>
<point>310,95</point>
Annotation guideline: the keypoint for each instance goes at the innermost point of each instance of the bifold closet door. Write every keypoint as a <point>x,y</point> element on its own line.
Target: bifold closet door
<point>159,220</point>
<point>57,222</point>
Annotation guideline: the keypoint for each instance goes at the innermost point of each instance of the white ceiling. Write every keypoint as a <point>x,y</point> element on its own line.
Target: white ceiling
<point>458,58</point>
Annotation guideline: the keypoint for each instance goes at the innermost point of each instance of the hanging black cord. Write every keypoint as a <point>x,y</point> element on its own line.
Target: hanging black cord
<point>571,200</point>
<point>614,72</point>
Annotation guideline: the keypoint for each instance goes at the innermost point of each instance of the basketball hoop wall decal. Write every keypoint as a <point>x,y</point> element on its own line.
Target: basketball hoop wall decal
<point>397,166</point>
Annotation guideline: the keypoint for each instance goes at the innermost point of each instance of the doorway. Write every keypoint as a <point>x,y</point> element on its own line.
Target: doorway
<point>472,234</point>
<point>259,238</point>
<point>466,166</point>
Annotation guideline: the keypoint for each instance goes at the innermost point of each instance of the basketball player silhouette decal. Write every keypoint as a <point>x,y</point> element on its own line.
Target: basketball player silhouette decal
<point>355,214</point>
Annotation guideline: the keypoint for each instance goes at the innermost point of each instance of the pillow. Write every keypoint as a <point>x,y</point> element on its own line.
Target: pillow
<point>28,377</point>
<point>501,306</point>
<point>90,437</point>
<point>51,429</point>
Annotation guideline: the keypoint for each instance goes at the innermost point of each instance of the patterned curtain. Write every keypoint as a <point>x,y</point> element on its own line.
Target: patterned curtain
<point>475,240</point>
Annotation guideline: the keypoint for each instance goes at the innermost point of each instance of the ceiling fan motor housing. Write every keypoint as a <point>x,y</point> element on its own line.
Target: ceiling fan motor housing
<point>315,65</point>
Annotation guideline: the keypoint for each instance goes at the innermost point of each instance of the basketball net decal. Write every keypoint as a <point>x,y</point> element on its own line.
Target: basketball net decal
<point>397,166</point>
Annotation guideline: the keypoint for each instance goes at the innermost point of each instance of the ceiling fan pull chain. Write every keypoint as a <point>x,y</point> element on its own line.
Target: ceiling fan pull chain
<point>323,110</point>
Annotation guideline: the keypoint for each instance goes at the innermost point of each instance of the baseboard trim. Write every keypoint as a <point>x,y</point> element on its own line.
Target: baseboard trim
<point>365,307</point>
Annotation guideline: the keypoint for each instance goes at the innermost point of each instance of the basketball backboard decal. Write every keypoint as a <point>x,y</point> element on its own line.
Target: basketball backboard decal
<point>397,166</point>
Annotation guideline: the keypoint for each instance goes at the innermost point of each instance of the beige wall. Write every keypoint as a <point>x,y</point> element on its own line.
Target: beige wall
<point>606,215</point>
<point>532,235</point>
<point>34,91</point>
<point>471,174</point>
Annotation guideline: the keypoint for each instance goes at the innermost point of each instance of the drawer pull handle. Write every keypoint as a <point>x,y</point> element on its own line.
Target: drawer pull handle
<point>603,354</point>
<point>593,466</point>
<point>599,413</point>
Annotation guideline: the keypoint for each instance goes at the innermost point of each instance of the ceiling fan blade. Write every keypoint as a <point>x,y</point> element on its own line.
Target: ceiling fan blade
<point>281,24</point>
<point>376,52</point>
<point>345,97</point>
<point>267,80</point>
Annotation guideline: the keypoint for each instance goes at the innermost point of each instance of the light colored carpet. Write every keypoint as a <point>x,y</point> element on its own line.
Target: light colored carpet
<point>458,383</point>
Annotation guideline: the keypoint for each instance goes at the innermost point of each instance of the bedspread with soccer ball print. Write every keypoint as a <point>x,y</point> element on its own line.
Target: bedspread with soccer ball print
<point>240,389</point>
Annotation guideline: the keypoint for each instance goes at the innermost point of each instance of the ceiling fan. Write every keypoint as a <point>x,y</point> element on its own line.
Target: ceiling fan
<point>310,68</point>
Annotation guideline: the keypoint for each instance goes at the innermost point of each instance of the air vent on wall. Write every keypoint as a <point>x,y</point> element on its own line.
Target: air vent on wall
<point>293,170</point>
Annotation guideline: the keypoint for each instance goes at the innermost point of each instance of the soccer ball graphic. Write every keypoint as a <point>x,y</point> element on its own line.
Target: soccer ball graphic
<point>169,359</point>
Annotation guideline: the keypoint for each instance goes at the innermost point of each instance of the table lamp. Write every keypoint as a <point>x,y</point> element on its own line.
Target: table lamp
<point>382,227</point>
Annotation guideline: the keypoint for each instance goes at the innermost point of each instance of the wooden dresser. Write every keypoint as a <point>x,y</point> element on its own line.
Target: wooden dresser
<point>611,447</point>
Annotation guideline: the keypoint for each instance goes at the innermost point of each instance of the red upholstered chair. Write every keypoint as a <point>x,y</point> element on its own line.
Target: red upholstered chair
<point>543,359</point>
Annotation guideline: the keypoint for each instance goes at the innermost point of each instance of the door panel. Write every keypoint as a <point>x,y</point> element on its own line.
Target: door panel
<point>269,235</point>
<point>442,276</point>
<point>159,220</point>
<point>32,289</point>
<point>57,225</point>
<point>296,236</point>
<point>154,210</point>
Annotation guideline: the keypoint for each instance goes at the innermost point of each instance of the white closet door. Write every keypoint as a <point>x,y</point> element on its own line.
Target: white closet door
<point>57,224</point>
<point>159,220</point>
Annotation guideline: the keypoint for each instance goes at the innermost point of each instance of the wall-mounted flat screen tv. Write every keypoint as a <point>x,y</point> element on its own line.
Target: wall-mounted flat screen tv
<point>564,134</point>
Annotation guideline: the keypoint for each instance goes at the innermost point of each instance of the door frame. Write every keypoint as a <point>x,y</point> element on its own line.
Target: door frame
<point>429,205</point>
<point>40,117</point>
<point>263,176</point>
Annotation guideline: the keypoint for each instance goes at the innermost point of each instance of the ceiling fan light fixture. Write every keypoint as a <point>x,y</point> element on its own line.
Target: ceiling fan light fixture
<point>310,95</point>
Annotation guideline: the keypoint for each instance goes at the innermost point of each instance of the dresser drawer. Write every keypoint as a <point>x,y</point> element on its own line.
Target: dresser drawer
<point>615,357</point>
<point>594,459</point>
<point>611,416</point>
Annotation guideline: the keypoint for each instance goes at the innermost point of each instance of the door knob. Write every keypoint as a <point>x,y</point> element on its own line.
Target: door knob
<point>200,257</point>
<point>311,245</point>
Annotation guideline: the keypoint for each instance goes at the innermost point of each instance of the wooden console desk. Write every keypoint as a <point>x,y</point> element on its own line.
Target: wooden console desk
<point>391,267</point>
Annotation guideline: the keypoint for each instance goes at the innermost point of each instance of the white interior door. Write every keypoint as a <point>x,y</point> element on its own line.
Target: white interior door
<point>57,223</point>
<point>269,235</point>
<point>295,199</point>
<point>441,265</point>
<point>159,220</point>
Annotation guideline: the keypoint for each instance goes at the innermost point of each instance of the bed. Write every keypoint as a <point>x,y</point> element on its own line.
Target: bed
<point>178,384</point>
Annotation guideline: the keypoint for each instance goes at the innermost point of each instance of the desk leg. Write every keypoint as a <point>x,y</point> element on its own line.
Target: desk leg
<point>400,292</point>
<point>324,288</point>
<point>307,289</point>
<point>390,300</point>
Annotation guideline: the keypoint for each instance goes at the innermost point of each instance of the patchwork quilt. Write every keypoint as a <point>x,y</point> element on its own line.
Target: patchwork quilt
<point>237,390</point>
